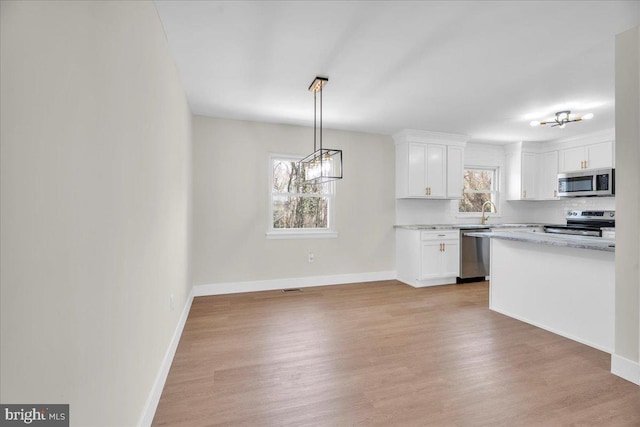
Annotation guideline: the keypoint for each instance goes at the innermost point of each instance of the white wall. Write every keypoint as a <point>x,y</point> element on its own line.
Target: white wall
<point>413,211</point>
<point>95,173</point>
<point>628,197</point>
<point>231,204</point>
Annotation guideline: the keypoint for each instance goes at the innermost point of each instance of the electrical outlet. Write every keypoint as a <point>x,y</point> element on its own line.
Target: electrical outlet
<point>312,257</point>
<point>172,302</point>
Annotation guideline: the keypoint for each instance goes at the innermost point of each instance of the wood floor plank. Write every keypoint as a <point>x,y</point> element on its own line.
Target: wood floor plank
<point>383,353</point>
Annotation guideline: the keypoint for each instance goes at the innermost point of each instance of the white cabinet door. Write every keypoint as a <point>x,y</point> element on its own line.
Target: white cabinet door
<point>431,260</point>
<point>592,156</point>
<point>571,159</point>
<point>455,171</point>
<point>529,172</point>
<point>427,170</point>
<point>451,258</point>
<point>439,258</point>
<point>548,180</point>
<point>599,155</point>
<point>436,173</point>
<point>417,170</point>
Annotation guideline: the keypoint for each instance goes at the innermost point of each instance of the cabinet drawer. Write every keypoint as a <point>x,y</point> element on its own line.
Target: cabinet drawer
<point>439,235</point>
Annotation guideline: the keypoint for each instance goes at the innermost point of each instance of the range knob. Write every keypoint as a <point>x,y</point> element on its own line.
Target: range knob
<point>612,214</point>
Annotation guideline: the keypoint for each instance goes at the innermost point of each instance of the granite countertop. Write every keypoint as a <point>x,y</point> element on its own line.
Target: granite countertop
<point>566,240</point>
<point>459,226</point>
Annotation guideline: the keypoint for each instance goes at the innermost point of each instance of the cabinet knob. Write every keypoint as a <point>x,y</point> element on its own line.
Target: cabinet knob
<point>555,193</point>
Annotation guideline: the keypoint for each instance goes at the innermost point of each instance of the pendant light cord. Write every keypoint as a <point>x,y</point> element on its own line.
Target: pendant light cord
<point>320,122</point>
<point>315,115</point>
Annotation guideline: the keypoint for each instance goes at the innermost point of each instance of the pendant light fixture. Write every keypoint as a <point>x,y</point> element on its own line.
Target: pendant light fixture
<point>324,164</point>
<point>561,119</point>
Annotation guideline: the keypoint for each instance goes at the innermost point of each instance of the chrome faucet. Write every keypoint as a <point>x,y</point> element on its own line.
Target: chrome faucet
<point>484,205</point>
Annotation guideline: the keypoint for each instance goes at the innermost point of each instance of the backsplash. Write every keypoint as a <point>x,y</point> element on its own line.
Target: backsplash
<point>417,211</point>
<point>554,211</point>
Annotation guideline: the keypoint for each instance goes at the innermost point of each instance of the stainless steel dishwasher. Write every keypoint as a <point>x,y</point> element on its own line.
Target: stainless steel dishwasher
<point>474,255</point>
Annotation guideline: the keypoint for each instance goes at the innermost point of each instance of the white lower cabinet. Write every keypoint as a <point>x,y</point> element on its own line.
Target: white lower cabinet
<point>427,258</point>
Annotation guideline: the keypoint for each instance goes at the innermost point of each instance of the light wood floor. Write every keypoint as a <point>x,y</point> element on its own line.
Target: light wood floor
<point>383,353</point>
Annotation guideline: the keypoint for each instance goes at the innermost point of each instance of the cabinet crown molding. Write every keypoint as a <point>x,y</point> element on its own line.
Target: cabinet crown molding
<point>587,138</point>
<point>424,136</point>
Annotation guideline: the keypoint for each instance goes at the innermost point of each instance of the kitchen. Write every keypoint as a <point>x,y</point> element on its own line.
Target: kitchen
<point>139,143</point>
<point>535,172</point>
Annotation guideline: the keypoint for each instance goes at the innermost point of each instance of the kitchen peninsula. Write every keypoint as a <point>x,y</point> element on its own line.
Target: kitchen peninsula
<point>564,284</point>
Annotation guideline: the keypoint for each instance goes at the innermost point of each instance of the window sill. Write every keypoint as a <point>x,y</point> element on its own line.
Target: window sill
<point>301,234</point>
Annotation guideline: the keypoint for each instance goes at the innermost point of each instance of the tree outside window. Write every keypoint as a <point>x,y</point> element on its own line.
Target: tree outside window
<point>296,205</point>
<point>480,186</point>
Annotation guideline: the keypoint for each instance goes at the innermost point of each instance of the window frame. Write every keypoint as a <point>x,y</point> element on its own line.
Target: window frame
<point>299,233</point>
<point>495,192</point>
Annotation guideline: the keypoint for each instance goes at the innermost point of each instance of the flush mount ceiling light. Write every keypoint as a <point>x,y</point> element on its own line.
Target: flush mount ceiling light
<point>561,119</point>
<point>324,164</point>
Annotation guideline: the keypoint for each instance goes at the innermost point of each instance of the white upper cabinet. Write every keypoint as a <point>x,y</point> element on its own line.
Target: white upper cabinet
<point>522,173</point>
<point>548,181</point>
<point>572,159</point>
<point>455,172</point>
<point>425,168</point>
<point>417,170</point>
<point>591,156</point>
<point>533,168</point>
<point>436,170</point>
<point>528,180</point>
<point>600,155</point>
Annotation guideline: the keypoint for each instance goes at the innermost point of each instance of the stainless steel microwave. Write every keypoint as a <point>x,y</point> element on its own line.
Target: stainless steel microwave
<point>585,183</point>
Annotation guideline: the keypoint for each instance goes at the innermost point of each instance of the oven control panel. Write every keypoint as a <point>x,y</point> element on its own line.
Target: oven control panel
<point>591,215</point>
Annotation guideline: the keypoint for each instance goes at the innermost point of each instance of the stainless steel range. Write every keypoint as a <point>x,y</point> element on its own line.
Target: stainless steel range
<point>584,223</point>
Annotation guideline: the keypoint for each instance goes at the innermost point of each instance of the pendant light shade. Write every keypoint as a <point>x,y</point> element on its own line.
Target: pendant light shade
<point>324,164</point>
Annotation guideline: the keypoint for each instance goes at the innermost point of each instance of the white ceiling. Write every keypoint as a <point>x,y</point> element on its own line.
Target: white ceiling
<point>479,68</point>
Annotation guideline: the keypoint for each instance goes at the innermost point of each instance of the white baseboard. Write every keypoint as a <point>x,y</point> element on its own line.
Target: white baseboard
<point>154,397</point>
<point>625,368</point>
<point>555,331</point>
<point>300,282</point>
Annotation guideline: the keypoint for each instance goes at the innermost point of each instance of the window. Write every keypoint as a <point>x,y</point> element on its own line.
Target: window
<point>480,186</point>
<point>297,209</point>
